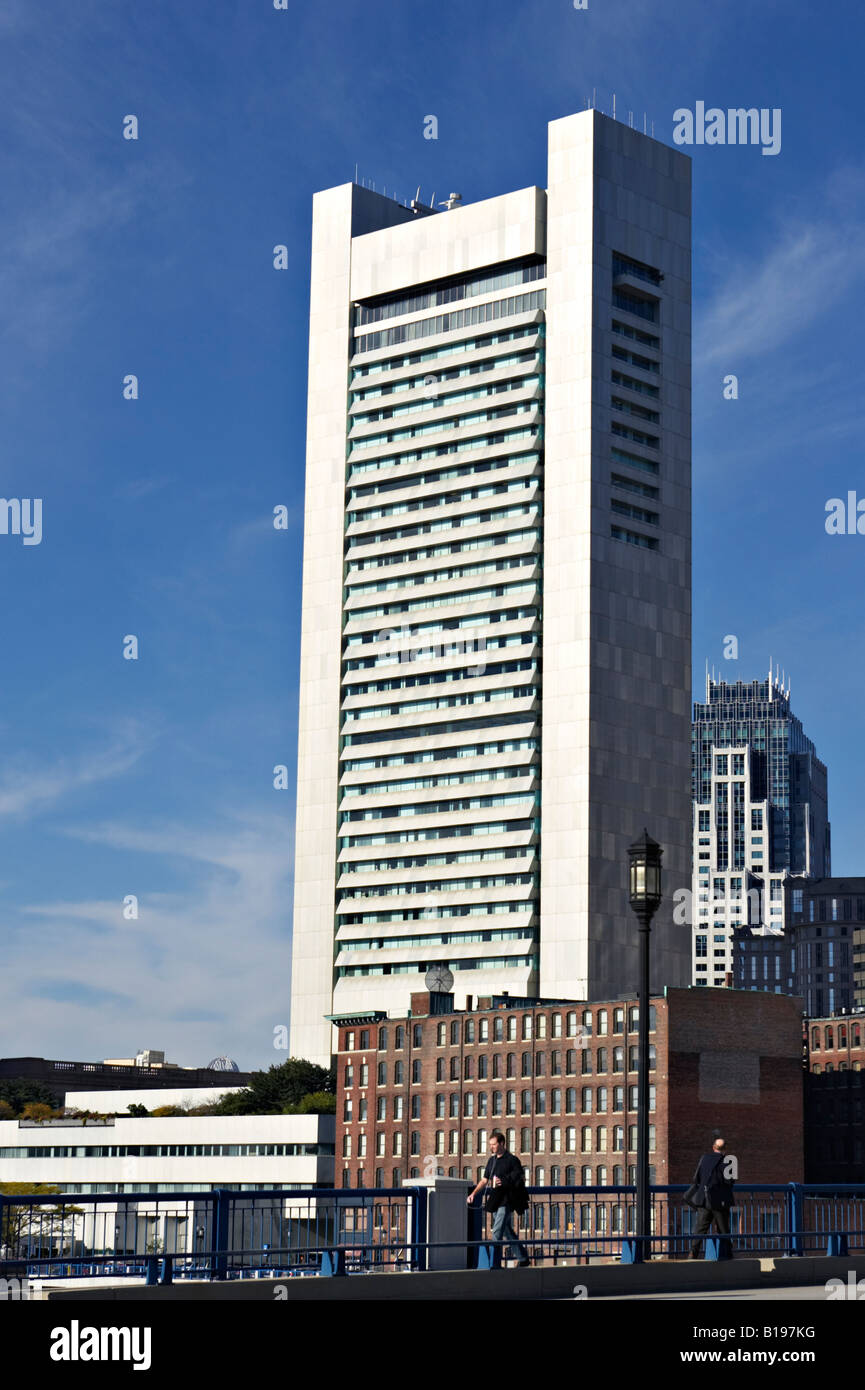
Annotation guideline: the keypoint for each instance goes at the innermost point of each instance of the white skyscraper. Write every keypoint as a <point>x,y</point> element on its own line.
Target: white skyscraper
<point>495,665</point>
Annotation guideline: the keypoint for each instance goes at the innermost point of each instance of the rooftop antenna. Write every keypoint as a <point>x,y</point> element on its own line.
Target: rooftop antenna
<point>452,201</point>
<point>355,173</point>
<point>644,123</point>
<point>614,106</point>
<point>707,680</point>
<point>631,119</point>
<point>653,130</point>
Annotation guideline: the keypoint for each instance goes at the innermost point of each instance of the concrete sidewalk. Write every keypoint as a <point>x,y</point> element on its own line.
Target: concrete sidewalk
<point>519,1285</point>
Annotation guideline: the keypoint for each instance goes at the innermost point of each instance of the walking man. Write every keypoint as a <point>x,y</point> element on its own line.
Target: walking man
<point>715,1196</point>
<point>503,1186</point>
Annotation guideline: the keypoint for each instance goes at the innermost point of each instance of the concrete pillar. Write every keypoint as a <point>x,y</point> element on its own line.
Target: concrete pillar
<point>447,1219</point>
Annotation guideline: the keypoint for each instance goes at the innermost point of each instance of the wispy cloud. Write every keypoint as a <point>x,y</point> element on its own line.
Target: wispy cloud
<point>28,786</point>
<point>758,306</point>
<point>201,971</point>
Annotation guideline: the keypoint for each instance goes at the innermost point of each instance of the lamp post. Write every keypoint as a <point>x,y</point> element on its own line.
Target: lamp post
<point>645,898</point>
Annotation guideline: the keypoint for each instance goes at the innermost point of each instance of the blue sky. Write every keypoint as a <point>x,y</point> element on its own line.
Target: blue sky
<point>154,257</point>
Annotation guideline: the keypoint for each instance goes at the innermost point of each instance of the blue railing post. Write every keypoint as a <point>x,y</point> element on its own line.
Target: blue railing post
<point>796,1216</point>
<point>152,1271</point>
<point>166,1272</point>
<point>418,1227</point>
<point>333,1263</point>
<point>475,1228</point>
<point>221,1213</point>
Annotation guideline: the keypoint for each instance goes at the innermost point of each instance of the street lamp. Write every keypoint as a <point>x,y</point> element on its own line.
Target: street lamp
<point>645,897</point>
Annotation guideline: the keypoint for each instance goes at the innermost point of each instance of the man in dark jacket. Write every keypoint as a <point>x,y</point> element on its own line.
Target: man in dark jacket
<point>503,1177</point>
<point>711,1178</point>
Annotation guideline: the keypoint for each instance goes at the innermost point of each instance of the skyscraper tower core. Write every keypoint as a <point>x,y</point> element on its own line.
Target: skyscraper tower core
<point>495,665</point>
<point>760,815</point>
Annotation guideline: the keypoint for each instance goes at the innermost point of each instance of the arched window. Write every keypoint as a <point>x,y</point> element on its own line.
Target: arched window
<point>382,1039</point>
<point>498,1029</point>
<point>815,1039</point>
<point>399,1037</point>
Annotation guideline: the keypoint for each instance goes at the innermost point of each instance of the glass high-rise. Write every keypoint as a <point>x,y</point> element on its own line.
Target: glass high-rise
<point>760,815</point>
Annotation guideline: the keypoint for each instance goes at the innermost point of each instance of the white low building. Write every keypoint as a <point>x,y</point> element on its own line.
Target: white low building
<point>193,1154</point>
<point>170,1154</point>
<point>118,1102</point>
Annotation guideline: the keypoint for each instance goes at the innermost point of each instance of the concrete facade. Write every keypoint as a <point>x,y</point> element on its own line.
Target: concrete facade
<point>423,790</point>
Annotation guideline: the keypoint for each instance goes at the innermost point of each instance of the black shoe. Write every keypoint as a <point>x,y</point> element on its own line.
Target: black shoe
<point>521,1264</point>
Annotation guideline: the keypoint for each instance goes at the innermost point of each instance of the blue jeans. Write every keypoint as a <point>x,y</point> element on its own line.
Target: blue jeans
<point>503,1230</point>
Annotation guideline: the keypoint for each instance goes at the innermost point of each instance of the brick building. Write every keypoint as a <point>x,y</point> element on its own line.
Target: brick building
<point>835,1099</point>
<point>419,1095</point>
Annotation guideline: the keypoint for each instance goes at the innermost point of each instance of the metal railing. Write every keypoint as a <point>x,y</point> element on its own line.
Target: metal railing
<point>237,1234</point>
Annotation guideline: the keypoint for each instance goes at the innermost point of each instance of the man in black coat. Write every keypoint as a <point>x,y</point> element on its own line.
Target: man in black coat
<point>717,1191</point>
<point>501,1183</point>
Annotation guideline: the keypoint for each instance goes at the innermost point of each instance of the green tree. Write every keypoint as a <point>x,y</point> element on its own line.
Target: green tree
<point>38,1111</point>
<point>316,1103</point>
<point>18,1091</point>
<point>271,1092</point>
<point>17,1219</point>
